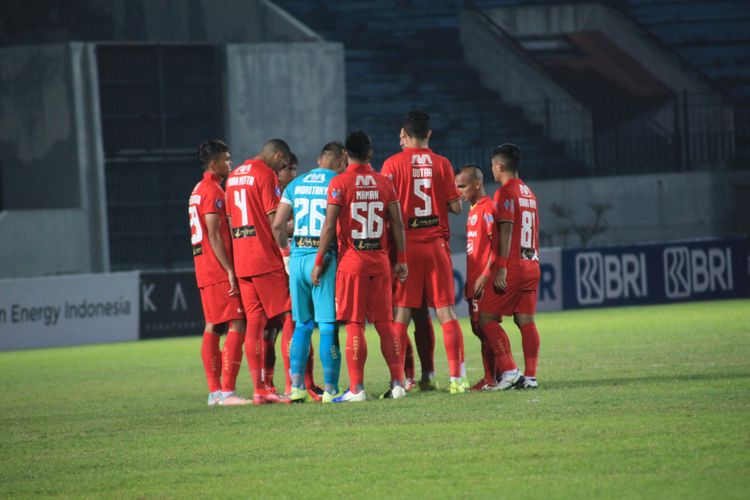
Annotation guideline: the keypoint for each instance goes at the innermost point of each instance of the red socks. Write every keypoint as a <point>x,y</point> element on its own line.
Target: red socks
<point>269,361</point>
<point>286,343</point>
<point>408,359</point>
<point>424,337</point>
<point>211,360</point>
<point>231,359</point>
<point>488,357</point>
<point>453,339</point>
<point>390,345</point>
<point>254,351</point>
<point>309,379</point>
<point>500,344</point>
<point>356,353</point>
<point>530,341</point>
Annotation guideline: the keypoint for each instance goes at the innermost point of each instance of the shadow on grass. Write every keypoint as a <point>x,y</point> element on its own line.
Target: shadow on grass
<point>594,382</point>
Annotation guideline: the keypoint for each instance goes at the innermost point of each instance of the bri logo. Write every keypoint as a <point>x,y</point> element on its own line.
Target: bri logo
<point>609,277</point>
<point>689,271</point>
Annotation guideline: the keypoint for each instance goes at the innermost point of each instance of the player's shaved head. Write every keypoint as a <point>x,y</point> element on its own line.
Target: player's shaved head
<point>358,146</point>
<point>417,124</point>
<point>273,146</point>
<point>510,154</point>
<point>210,150</point>
<point>472,172</point>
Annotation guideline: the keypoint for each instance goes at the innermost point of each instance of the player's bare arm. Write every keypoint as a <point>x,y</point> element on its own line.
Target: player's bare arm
<point>326,238</point>
<point>480,283</point>
<point>213,227</point>
<point>399,239</point>
<point>503,250</point>
<point>279,224</point>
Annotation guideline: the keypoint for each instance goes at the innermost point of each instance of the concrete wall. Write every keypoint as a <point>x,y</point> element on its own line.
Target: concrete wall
<point>295,91</point>
<point>208,21</point>
<point>642,208</point>
<point>504,67</point>
<point>665,65</point>
<point>50,143</point>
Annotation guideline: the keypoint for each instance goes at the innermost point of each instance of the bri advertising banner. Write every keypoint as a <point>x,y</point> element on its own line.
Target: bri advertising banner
<point>655,273</point>
<point>68,310</point>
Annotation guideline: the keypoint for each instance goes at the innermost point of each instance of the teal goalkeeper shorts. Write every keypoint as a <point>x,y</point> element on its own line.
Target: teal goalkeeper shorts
<point>312,303</point>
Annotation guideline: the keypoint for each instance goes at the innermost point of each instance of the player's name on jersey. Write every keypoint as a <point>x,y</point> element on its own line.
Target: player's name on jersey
<point>368,244</point>
<point>306,242</point>
<point>527,203</point>
<point>242,180</point>
<point>421,172</point>
<point>419,222</point>
<point>243,232</point>
<point>311,190</point>
<point>471,234</point>
<point>367,195</point>
<point>197,250</point>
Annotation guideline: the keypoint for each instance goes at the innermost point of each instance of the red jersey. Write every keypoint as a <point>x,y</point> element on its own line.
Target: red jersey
<point>425,184</point>
<point>208,198</point>
<point>515,202</point>
<point>252,195</point>
<point>364,197</point>
<point>479,240</point>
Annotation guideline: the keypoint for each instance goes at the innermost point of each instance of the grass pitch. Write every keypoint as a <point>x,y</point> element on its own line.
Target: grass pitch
<point>633,402</point>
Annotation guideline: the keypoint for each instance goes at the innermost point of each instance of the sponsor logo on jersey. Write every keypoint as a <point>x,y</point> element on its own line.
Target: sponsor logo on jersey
<point>306,242</point>
<point>420,222</point>
<point>689,271</point>
<point>336,193</point>
<point>365,181</point>
<point>488,219</point>
<point>197,250</point>
<point>421,159</point>
<point>243,232</point>
<point>278,191</point>
<point>609,277</point>
<point>368,244</point>
<point>508,204</point>
<point>315,178</point>
<point>219,203</point>
<point>473,220</point>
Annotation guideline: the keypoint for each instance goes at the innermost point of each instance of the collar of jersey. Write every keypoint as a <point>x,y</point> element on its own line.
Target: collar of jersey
<point>210,176</point>
<point>357,167</point>
<point>483,199</point>
<point>418,149</point>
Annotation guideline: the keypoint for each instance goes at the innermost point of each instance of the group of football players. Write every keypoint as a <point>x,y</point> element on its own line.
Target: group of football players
<point>343,245</point>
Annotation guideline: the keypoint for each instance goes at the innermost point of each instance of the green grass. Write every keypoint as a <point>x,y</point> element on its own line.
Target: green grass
<point>633,402</point>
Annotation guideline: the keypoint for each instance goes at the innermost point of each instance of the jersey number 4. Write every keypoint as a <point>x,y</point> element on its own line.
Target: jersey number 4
<point>368,214</point>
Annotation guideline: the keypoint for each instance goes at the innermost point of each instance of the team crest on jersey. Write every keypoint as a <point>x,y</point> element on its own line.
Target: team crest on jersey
<point>488,219</point>
<point>336,193</point>
<point>278,191</point>
<point>473,220</point>
<point>219,204</point>
<point>508,205</point>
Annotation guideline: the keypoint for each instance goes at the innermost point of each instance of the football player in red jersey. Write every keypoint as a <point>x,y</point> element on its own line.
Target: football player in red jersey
<point>212,250</point>
<point>252,198</point>
<point>480,236</point>
<point>517,277</point>
<point>360,203</point>
<point>426,187</point>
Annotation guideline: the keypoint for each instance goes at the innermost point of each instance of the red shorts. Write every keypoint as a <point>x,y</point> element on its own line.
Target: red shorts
<point>473,310</point>
<point>266,295</point>
<point>519,296</point>
<point>360,298</point>
<point>218,306</point>
<point>430,279</point>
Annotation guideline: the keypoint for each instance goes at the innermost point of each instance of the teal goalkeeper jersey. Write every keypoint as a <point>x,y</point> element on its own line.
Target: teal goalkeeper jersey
<point>308,197</point>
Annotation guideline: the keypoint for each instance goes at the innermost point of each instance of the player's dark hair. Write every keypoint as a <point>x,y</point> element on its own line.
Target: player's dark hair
<point>417,124</point>
<point>358,146</point>
<point>293,161</point>
<point>209,150</point>
<point>511,155</point>
<point>473,170</point>
<point>335,148</point>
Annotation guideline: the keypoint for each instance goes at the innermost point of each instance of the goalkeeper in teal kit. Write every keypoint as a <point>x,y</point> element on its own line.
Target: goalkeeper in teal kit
<point>306,198</point>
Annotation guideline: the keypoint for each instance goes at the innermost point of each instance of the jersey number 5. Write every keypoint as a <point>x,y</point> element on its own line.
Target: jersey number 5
<point>367,215</point>
<point>422,190</point>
